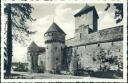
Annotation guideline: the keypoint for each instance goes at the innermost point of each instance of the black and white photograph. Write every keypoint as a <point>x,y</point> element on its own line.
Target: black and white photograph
<point>63,41</point>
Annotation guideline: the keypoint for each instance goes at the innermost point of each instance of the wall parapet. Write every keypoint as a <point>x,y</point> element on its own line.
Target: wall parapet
<point>101,36</point>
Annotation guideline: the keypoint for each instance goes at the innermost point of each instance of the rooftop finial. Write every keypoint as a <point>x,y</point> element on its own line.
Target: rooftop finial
<point>86,4</point>
<point>53,19</point>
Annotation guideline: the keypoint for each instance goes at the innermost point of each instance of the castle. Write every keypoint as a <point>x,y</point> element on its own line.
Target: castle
<point>84,51</point>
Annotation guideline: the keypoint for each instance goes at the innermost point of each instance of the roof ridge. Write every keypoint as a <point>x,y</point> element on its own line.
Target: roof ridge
<point>86,8</point>
<point>33,44</point>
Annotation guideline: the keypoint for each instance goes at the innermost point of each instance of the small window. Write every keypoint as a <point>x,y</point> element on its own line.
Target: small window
<point>80,36</point>
<point>49,34</point>
<point>119,50</point>
<point>94,59</point>
<point>61,49</point>
<point>98,45</point>
<point>77,47</point>
<point>57,59</point>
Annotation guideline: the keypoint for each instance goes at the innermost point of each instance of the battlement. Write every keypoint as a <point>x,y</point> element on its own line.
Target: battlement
<point>105,35</point>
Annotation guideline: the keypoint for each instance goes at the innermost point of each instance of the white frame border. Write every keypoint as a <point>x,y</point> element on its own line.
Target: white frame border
<point>70,80</point>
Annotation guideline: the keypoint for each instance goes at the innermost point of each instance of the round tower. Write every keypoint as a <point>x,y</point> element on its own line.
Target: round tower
<point>55,44</point>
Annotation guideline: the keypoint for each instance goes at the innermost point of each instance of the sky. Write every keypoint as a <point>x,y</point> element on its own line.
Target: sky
<point>62,15</point>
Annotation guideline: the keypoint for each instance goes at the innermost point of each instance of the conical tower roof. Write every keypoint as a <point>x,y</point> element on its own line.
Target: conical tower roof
<point>33,45</point>
<point>55,28</point>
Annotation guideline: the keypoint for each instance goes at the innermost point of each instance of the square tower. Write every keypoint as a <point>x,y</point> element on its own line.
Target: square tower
<point>86,20</point>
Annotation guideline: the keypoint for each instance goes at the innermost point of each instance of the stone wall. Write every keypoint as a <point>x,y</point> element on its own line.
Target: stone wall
<point>85,50</point>
<point>83,56</point>
<point>70,42</point>
<point>32,63</point>
<point>105,35</point>
<point>41,61</point>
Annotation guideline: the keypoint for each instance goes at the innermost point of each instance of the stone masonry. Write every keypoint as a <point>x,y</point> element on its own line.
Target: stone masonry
<point>80,52</point>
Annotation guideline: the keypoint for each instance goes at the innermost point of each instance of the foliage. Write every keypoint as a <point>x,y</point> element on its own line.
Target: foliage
<point>106,60</point>
<point>118,11</point>
<point>17,16</point>
<point>20,14</point>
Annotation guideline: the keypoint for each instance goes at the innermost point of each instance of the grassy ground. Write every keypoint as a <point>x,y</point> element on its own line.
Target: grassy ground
<point>28,75</point>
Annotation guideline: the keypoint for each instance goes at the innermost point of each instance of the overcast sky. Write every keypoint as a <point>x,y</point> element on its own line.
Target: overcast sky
<point>63,16</point>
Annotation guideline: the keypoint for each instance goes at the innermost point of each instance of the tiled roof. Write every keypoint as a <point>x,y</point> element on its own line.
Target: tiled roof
<point>55,28</point>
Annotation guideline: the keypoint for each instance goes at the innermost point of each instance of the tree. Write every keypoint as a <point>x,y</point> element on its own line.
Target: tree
<point>106,59</point>
<point>118,12</point>
<point>17,16</point>
<point>0,39</point>
<point>100,57</point>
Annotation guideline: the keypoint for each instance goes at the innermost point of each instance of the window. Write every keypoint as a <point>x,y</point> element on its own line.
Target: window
<point>80,36</point>
<point>119,50</point>
<point>94,59</point>
<point>61,49</point>
<point>98,45</point>
<point>57,59</point>
<point>77,47</point>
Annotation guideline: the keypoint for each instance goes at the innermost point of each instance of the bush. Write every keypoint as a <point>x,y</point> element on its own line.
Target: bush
<point>107,74</point>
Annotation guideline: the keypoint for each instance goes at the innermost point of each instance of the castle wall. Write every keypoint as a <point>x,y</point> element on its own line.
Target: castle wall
<point>41,61</point>
<point>85,50</point>
<point>70,42</point>
<point>82,57</point>
<point>32,62</point>
<point>85,54</point>
<point>106,35</point>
